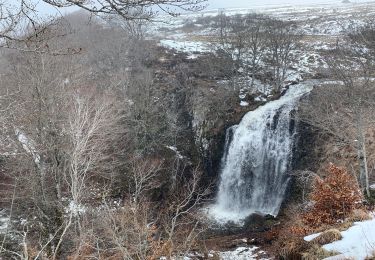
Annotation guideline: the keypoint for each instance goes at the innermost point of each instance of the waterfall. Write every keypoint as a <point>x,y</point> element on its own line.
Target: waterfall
<point>257,157</point>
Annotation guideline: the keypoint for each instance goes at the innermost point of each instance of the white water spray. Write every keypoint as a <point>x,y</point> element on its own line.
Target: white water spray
<point>257,157</point>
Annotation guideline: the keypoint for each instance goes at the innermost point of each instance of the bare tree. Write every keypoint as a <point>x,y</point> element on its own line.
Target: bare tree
<point>253,40</point>
<point>181,214</point>
<point>34,125</point>
<point>147,119</point>
<point>344,109</point>
<point>139,229</point>
<point>64,134</point>
<point>67,130</point>
<point>256,44</point>
<point>231,45</point>
<point>247,40</point>
<point>91,123</point>
<point>283,39</point>
<point>143,9</point>
<point>15,15</point>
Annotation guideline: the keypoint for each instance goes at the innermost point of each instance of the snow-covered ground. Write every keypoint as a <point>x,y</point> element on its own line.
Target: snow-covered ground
<point>330,18</point>
<point>240,253</point>
<point>358,242</point>
<point>190,47</point>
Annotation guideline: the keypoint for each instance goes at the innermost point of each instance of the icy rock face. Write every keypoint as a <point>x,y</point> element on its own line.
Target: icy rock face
<point>257,157</point>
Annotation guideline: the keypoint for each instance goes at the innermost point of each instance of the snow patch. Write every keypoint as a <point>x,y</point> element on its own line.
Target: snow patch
<point>76,209</point>
<point>311,237</point>
<point>28,145</point>
<point>244,103</point>
<point>178,154</point>
<point>186,46</point>
<point>358,241</point>
<point>260,99</point>
<point>241,253</point>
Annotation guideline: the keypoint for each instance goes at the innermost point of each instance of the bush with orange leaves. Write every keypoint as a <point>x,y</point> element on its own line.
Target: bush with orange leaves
<point>334,197</point>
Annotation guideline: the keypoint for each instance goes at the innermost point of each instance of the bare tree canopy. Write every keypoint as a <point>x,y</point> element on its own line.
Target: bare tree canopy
<point>132,9</point>
<point>15,16</point>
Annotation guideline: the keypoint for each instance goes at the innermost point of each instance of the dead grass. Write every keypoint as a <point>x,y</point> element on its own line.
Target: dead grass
<point>203,38</point>
<point>355,216</point>
<point>339,226</point>
<point>291,248</point>
<point>289,242</point>
<point>316,252</point>
<point>327,237</point>
<point>359,215</point>
<point>319,38</point>
<point>345,225</point>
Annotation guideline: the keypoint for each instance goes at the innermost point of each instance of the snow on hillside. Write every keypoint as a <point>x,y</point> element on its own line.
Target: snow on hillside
<point>321,24</point>
<point>186,46</point>
<point>331,18</point>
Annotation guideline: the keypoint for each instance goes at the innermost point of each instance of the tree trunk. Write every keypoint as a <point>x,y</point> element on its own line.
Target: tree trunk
<point>362,156</point>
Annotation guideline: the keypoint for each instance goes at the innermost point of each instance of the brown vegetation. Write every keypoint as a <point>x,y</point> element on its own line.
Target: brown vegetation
<point>316,252</point>
<point>327,237</point>
<point>359,215</point>
<point>334,197</point>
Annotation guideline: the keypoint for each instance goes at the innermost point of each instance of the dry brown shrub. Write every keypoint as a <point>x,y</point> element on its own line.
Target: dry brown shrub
<point>291,248</point>
<point>289,242</point>
<point>327,237</point>
<point>295,226</point>
<point>334,197</point>
<point>299,230</point>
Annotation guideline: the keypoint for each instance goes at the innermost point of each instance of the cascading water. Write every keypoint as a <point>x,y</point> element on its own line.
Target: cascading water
<point>257,157</point>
